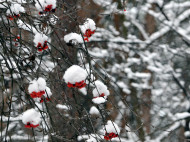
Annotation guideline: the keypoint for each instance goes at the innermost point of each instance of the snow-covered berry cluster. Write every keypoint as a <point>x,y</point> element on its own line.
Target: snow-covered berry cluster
<point>75,77</point>
<point>39,91</point>
<point>88,28</point>
<point>40,41</point>
<point>37,88</point>
<point>31,118</point>
<point>111,130</point>
<point>45,6</point>
<point>100,92</point>
<point>14,11</point>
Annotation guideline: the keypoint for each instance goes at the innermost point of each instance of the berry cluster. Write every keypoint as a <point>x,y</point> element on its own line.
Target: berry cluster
<point>109,136</point>
<point>77,84</point>
<point>14,16</point>
<point>41,46</point>
<point>30,125</point>
<point>88,34</point>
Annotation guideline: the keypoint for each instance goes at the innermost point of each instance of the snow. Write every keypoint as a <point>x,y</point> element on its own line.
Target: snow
<point>99,100</point>
<point>37,85</point>
<point>33,86</point>
<point>53,19</point>
<point>75,74</point>
<point>83,91</point>
<point>159,2</point>
<point>91,140</point>
<point>3,4</point>
<point>176,5</point>
<point>98,53</point>
<point>40,4</point>
<point>16,137</point>
<point>111,127</point>
<point>100,88</point>
<point>187,133</point>
<point>167,132</point>
<point>48,93</point>
<point>32,116</point>
<point>103,2</point>
<point>91,78</point>
<point>15,9</point>
<point>20,1</point>
<point>25,26</point>
<point>64,107</point>
<point>89,24</point>
<point>73,38</point>
<point>94,111</point>
<point>154,69</point>
<point>124,87</point>
<point>182,115</point>
<point>47,65</point>
<point>41,83</point>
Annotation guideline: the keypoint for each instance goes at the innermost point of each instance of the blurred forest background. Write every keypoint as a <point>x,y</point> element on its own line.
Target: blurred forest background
<point>140,50</point>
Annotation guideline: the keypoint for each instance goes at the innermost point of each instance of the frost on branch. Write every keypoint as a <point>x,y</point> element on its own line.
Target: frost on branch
<point>31,118</point>
<point>14,11</point>
<point>37,88</point>
<point>88,28</point>
<point>111,130</point>
<point>75,77</point>
<point>44,6</point>
<point>40,41</point>
<point>73,39</point>
<point>100,92</point>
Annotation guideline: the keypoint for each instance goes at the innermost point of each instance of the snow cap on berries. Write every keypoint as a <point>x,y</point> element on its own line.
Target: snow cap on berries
<point>15,9</point>
<point>31,118</point>
<point>33,86</point>
<point>100,93</point>
<point>88,25</point>
<point>73,38</point>
<point>40,41</point>
<point>100,89</point>
<point>39,38</point>
<point>111,127</point>
<point>111,130</point>
<point>37,88</point>
<point>37,85</point>
<point>74,74</point>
